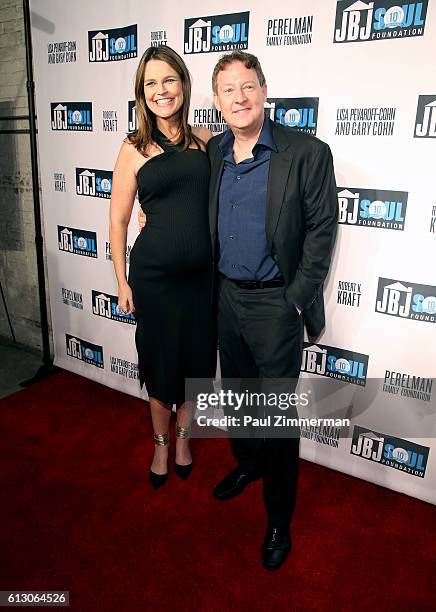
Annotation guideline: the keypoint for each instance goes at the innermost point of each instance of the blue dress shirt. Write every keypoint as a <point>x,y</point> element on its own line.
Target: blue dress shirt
<point>243,247</point>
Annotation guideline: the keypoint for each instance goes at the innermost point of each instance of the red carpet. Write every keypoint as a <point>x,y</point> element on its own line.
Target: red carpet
<point>78,514</point>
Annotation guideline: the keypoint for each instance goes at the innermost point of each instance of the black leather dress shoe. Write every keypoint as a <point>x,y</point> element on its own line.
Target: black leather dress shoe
<point>234,483</point>
<point>276,547</point>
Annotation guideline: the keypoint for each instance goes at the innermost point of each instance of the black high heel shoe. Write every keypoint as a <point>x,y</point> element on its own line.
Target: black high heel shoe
<point>183,471</point>
<point>157,480</point>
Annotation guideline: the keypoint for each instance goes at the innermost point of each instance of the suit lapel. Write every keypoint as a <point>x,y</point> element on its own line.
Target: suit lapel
<point>280,166</point>
<point>217,165</point>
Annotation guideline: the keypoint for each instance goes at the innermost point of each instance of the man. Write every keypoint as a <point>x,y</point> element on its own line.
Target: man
<point>273,218</point>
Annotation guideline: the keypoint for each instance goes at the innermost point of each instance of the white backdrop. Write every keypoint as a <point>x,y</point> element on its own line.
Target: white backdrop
<point>359,76</point>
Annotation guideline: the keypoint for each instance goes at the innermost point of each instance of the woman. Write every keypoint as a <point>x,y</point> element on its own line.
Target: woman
<point>169,285</point>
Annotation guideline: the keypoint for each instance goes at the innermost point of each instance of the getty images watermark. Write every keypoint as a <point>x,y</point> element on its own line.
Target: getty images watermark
<point>241,402</point>
<point>315,406</point>
<point>263,409</point>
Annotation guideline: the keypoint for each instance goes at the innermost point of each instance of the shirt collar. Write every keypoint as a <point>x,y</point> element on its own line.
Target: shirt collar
<point>266,139</point>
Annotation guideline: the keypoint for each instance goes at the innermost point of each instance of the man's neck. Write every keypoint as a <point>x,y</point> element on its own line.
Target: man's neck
<point>246,139</point>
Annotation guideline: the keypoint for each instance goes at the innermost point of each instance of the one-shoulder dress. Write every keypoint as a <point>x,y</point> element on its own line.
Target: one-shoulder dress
<point>171,273</point>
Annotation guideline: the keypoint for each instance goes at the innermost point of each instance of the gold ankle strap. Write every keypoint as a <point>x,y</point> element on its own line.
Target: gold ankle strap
<point>160,439</point>
<point>182,432</point>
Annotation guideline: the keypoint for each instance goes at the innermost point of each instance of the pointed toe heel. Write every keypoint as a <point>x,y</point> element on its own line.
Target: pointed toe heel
<point>157,480</point>
<point>183,471</point>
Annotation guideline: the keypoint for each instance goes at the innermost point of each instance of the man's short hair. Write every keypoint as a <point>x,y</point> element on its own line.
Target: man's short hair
<point>248,59</point>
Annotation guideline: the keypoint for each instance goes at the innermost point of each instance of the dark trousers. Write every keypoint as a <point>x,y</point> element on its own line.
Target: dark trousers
<point>261,338</point>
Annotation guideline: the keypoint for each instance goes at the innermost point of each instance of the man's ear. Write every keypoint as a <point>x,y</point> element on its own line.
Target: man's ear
<point>216,102</point>
<point>264,91</point>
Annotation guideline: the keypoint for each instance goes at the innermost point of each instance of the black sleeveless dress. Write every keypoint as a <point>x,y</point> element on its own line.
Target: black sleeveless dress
<point>171,273</point>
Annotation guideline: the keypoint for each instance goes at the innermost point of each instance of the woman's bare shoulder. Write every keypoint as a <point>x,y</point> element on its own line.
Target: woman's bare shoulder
<point>131,156</point>
<point>128,148</point>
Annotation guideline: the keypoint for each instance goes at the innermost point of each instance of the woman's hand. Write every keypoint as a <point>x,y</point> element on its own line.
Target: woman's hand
<point>125,299</point>
<point>142,219</point>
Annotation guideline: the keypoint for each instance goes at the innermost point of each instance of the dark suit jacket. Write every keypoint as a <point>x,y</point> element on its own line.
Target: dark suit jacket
<point>301,215</point>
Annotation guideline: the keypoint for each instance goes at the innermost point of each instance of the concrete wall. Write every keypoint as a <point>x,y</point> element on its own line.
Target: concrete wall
<point>18,272</point>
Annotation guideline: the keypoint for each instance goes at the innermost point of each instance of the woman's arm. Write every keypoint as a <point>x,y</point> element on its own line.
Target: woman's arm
<point>124,188</point>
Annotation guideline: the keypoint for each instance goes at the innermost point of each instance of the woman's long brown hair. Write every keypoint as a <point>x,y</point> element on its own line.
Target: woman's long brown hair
<point>145,118</point>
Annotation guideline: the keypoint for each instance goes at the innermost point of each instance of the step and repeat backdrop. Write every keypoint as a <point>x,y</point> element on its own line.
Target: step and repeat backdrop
<point>359,75</point>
